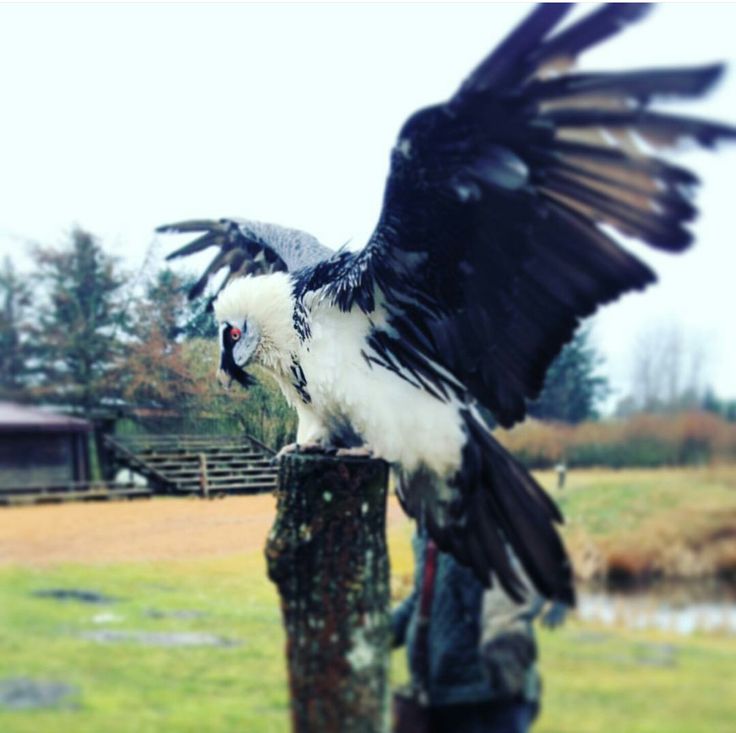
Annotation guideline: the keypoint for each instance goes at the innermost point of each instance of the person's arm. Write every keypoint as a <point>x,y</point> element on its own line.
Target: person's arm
<point>507,641</point>
<point>554,614</point>
<point>400,617</point>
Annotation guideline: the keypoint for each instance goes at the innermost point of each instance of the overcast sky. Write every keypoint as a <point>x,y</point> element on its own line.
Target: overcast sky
<point>122,117</point>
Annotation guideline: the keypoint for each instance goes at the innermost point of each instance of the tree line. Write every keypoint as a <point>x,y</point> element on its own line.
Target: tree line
<point>83,332</point>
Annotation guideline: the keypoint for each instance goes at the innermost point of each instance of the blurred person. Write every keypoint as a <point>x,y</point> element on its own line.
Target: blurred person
<point>471,651</point>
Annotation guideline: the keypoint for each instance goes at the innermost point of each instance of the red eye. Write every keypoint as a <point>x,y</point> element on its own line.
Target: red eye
<point>235,334</point>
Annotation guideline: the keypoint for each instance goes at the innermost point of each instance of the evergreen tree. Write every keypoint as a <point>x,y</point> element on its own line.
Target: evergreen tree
<point>712,403</point>
<point>170,370</point>
<point>78,337</point>
<point>156,373</point>
<point>572,389</point>
<point>15,297</point>
<point>200,321</point>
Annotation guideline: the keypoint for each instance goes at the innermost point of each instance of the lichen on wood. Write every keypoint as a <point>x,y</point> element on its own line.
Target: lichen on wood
<point>327,555</point>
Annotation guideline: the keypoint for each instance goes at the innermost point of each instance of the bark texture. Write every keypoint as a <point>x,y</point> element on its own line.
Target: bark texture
<point>327,555</point>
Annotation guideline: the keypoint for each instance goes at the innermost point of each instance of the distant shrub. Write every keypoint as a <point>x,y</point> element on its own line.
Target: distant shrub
<point>646,441</point>
<point>537,444</point>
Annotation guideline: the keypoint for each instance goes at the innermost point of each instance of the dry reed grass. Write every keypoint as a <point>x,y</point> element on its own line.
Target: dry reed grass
<point>688,438</point>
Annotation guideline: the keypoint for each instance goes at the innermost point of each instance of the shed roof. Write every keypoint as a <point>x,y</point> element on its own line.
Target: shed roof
<point>14,417</point>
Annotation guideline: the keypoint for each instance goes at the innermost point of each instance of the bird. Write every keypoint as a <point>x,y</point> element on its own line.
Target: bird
<point>498,234</point>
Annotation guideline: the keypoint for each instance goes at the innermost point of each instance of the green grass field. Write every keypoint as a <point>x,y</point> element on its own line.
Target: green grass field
<point>595,679</point>
<point>610,503</point>
<point>650,523</point>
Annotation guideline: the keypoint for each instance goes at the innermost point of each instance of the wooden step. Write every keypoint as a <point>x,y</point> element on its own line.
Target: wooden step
<point>229,488</point>
<point>184,457</point>
<point>190,447</point>
<point>215,470</point>
<point>195,456</point>
<point>217,480</point>
<point>174,462</point>
<point>195,462</point>
<point>220,480</point>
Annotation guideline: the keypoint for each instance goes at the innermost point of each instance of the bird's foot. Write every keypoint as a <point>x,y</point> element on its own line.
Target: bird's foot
<point>302,448</point>
<point>359,451</point>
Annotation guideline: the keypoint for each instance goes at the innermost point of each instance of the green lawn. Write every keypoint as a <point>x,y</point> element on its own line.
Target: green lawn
<point>130,687</point>
<point>598,681</point>
<point>608,503</point>
<point>595,679</point>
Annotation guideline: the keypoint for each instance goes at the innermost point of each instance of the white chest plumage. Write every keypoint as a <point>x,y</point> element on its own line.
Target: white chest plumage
<point>330,382</point>
<point>399,422</point>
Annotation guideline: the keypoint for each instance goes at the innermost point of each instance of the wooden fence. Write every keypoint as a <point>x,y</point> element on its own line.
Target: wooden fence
<point>170,464</point>
<point>71,491</point>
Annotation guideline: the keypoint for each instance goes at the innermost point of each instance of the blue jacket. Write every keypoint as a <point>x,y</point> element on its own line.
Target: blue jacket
<point>464,615</point>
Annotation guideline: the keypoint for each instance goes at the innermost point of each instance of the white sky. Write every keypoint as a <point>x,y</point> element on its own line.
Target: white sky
<point>122,117</point>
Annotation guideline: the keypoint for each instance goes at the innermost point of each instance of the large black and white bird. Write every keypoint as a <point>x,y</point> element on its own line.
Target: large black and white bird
<point>494,241</point>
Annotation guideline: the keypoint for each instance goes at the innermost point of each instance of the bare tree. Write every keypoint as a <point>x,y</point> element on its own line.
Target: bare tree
<point>669,368</point>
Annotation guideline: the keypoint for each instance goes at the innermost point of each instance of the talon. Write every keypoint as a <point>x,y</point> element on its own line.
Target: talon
<point>307,448</point>
<point>288,448</point>
<point>361,451</point>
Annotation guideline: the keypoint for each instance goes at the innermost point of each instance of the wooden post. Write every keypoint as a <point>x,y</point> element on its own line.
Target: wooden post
<point>561,469</point>
<point>327,555</point>
<point>203,479</point>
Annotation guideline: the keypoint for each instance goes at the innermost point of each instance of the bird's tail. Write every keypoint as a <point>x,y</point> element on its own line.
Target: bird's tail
<point>499,506</point>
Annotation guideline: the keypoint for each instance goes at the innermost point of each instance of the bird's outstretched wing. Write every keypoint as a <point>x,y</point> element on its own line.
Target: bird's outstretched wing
<point>246,247</point>
<point>489,248</point>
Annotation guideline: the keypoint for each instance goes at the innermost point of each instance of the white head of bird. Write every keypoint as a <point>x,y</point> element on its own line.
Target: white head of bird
<point>255,317</point>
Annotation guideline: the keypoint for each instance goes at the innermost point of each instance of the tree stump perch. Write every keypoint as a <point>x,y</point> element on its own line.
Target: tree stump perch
<point>327,555</point>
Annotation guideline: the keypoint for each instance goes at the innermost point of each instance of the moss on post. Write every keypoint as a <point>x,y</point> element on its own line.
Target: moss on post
<point>327,555</point>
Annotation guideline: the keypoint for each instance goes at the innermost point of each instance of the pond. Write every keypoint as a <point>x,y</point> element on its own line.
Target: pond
<point>680,607</point>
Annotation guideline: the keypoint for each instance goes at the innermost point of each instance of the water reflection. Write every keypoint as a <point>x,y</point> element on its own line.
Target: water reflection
<point>682,608</point>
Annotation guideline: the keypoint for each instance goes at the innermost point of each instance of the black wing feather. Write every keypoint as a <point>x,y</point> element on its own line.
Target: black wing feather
<point>511,55</point>
<point>490,250</point>
<point>641,86</point>
<point>490,235</point>
<point>598,26</point>
<point>246,248</point>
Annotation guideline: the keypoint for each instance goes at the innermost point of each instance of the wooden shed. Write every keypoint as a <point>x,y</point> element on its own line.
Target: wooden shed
<point>41,448</point>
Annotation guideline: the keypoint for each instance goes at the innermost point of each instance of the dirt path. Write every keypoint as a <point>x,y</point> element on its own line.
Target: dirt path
<point>135,531</point>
